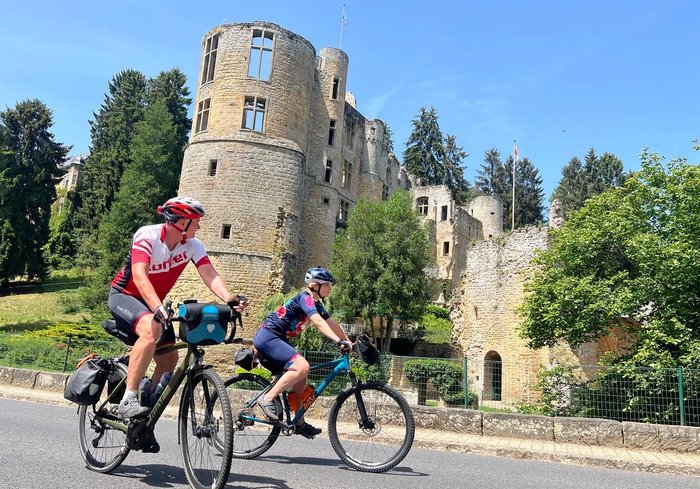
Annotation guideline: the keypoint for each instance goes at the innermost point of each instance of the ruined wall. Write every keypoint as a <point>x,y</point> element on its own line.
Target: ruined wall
<point>485,314</point>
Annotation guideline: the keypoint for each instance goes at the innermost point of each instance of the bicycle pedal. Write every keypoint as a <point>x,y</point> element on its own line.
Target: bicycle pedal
<point>154,448</point>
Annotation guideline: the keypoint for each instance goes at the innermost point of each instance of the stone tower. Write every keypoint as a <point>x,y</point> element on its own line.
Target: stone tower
<point>277,155</point>
<point>488,209</point>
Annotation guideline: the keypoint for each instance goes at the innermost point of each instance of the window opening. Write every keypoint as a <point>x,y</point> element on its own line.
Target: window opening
<point>212,167</point>
<point>336,85</point>
<point>446,248</point>
<point>347,174</point>
<point>260,62</point>
<point>422,205</point>
<point>331,132</point>
<point>226,231</point>
<point>328,176</point>
<point>211,47</point>
<point>254,114</point>
<point>444,213</point>
<point>203,116</point>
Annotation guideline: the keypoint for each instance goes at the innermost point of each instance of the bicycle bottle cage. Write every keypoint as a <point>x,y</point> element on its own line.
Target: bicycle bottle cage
<point>203,323</point>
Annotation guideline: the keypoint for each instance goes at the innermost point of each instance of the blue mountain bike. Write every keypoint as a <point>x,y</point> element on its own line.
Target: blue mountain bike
<point>370,424</point>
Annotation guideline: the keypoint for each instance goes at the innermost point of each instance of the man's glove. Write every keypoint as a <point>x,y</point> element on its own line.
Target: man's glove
<point>344,345</point>
<point>161,315</point>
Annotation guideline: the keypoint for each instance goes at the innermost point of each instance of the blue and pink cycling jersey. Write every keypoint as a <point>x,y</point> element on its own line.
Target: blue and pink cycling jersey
<point>272,339</point>
<point>289,319</point>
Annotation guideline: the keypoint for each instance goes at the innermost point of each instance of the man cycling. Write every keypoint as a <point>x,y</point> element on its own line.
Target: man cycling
<point>158,256</point>
<point>272,340</point>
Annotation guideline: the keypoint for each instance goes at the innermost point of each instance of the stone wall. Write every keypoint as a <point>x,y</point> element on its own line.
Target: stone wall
<point>486,318</point>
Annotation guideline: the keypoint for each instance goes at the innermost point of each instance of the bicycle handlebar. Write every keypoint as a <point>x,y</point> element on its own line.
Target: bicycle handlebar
<point>236,317</point>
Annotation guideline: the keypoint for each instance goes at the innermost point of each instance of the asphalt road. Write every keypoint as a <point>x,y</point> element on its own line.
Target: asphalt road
<point>39,449</point>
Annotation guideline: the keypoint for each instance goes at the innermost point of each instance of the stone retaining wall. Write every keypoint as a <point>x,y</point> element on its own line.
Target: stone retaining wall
<point>581,431</point>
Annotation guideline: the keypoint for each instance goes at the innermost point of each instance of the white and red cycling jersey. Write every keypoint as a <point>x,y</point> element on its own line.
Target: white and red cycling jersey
<point>164,265</point>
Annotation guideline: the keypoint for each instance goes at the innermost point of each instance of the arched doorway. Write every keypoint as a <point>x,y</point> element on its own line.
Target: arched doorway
<point>493,377</point>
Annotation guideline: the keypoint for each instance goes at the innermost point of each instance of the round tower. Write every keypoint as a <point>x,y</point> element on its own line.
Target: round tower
<point>489,210</point>
<point>245,161</point>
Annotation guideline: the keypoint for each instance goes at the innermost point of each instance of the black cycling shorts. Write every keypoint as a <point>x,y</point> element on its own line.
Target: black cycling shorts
<point>126,311</point>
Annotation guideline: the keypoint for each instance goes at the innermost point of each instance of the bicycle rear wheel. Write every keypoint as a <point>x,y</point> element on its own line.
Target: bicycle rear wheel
<point>380,443</point>
<point>251,438</point>
<point>205,417</point>
<point>103,447</point>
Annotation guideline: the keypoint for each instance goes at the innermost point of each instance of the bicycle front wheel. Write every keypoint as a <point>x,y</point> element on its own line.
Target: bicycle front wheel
<point>102,446</point>
<point>252,438</point>
<point>206,430</point>
<point>383,438</point>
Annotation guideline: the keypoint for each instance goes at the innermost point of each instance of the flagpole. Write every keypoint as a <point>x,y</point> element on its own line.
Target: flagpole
<point>342,24</point>
<point>515,160</point>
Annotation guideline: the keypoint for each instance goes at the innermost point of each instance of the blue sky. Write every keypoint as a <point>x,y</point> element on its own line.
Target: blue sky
<point>559,77</point>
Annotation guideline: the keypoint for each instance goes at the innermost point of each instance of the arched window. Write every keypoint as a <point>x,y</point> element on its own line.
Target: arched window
<point>493,376</point>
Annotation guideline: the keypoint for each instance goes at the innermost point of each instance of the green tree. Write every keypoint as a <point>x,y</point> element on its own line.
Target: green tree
<point>170,87</point>
<point>111,132</point>
<point>631,251</point>
<point>434,159</point>
<point>63,236</point>
<point>380,260</point>
<point>492,178</point>
<point>581,181</point>
<point>148,180</point>
<point>29,169</point>
<point>425,151</point>
<point>529,194</point>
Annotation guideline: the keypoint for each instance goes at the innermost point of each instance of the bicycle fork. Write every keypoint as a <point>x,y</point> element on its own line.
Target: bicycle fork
<point>364,423</point>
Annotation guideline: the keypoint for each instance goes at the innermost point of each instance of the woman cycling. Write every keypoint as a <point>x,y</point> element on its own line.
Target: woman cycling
<point>272,340</point>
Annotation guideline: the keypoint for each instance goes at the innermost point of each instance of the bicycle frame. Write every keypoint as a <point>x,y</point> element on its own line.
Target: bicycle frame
<point>338,366</point>
<point>184,368</point>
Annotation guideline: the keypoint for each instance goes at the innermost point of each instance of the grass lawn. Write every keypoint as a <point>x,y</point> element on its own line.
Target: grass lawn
<point>22,312</point>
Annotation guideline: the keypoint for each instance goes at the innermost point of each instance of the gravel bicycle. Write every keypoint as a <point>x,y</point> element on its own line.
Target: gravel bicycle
<point>370,424</point>
<point>204,411</point>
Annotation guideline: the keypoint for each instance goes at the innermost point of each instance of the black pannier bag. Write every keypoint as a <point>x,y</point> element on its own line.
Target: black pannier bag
<point>245,358</point>
<point>203,323</point>
<point>366,349</point>
<point>85,385</point>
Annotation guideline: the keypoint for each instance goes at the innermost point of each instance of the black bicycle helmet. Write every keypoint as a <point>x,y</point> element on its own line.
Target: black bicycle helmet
<point>318,275</point>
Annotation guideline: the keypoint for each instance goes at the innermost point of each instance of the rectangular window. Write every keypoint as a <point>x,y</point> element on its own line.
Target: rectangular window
<point>331,132</point>
<point>443,215</point>
<point>343,211</point>
<point>385,191</point>
<point>211,45</point>
<point>260,62</point>
<point>254,114</point>
<point>347,175</point>
<point>226,231</point>
<point>446,248</point>
<point>202,116</point>
<point>336,85</point>
<point>326,201</point>
<point>212,167</point>
<point>349,134</point>
<point>328,176</point>
<point>422,205</point>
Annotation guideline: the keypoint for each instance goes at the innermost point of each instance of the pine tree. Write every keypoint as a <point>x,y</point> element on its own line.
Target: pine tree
<point>581,181</point>
<point>529,194</point>
<point>31,171</point>
<point>149,179</point>
<point>492,178</point>
<point>425,151</point>
<point>170,87</point>
<point>454,173</point>
<point>111,133</point>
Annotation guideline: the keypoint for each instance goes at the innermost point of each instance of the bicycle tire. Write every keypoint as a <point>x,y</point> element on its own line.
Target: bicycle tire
<point>103,447</point>
<point>251,439</point>
<point>377,448</point>
<point>205,415</point>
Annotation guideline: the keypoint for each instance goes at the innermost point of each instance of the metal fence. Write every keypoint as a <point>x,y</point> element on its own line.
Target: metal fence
<point>663,396</point>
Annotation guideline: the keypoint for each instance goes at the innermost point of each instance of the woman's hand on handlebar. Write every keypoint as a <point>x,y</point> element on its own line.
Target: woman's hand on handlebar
<point>345,346</point>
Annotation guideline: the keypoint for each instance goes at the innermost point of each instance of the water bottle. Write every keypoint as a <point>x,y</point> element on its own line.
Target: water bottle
<point>295,403</point>
<point>145,388</point>
<point>164,379</point>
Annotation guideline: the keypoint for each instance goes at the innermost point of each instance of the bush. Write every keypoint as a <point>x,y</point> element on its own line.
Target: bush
<point>445,375</point>
<point>438,311</point>
<point>437,329</point>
